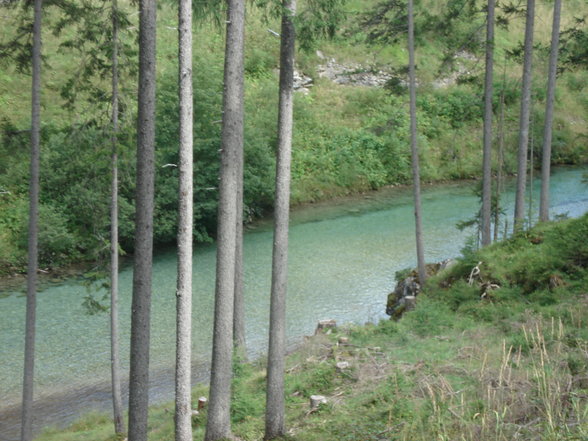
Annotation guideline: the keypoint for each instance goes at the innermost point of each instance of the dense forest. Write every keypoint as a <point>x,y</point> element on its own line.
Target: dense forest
<point>351,123</point>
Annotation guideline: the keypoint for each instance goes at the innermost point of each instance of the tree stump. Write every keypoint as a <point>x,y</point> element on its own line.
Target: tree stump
<point>325,325</point>
<point>342,366</point>
<point>316,401</point>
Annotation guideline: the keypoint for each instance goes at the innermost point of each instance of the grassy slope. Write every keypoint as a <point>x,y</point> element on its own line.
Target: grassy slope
<point>513,366</point>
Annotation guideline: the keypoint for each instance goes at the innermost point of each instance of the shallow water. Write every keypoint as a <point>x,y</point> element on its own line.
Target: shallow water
<point>342,260</point>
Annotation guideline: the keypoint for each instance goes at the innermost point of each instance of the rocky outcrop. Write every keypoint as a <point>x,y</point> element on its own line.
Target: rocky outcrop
<point>352,74</point>
<point>403,298</point>
<point>302,82</point>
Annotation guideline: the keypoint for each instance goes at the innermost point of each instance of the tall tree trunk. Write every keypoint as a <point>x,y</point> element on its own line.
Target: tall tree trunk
<point>487,156</point>
<point>33,249</point>
<point>416,174</point>
<point>143,259</point>
<point>547,133</point>
<point>275,404</point>
<point>183,414</point>
<point>531,169</point>
<point>500,165</point>
<point>119,424</point>
<point>219,422</point>
<point>524,118</point>
<point>239,299</point>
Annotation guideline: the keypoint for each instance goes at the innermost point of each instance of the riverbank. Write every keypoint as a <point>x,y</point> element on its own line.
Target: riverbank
<point>511,365</point>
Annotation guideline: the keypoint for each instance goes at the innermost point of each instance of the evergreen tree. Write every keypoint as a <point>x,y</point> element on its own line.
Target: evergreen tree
<point>524,122</point>
<point>275,403</point>
<point>414,148</point>
<point>487,155</point>
<point>218,425</point>
<point>33,250</point>
<point>143,261</point>
<point>183,411</point>
<point>547,134</point>
<point>119,425</point>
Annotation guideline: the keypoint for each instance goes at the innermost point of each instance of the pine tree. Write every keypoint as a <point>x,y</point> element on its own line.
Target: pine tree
<point>275,403</point>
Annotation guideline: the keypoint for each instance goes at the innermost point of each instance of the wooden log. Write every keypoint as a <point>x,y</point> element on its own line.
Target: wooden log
<point>202,403</point>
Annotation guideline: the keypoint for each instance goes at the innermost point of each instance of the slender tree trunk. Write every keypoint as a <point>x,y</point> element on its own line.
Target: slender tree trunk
<point>531,169</point>
<point>524,118</point>
<point>500,165</point>
<point>219,422</point>
<point>547,133</point>
<point>487,159</point>
<point>183,415</point>
<point>416,174</point>
<point>239,299</point>
<point>141,304</point>
<point>33,249</point>
<point>275,403</point>
<point>119,424</point>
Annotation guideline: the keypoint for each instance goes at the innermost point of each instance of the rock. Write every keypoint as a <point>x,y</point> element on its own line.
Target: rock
<point>195,412</point>
<point>343,341</point>
<point>353,74</point>
<point>317,400</point>
<point>301,82</point>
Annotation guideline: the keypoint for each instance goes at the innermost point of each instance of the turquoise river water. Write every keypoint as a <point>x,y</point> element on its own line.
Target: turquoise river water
<point>342,260</point>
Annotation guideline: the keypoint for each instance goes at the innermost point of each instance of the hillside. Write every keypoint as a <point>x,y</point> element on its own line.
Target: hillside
<point>348,137</point>
<point>512,365</point>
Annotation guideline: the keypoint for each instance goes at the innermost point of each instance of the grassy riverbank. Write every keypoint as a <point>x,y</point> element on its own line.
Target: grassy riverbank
<point>511,366</point>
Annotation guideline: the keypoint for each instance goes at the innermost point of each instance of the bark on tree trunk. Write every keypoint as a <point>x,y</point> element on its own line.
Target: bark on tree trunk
<point>183,411</point>
<point>33,251</point>
<point>219,422</point>
<point>119,424</point>
<point>275,404</point>
<point>547,133</point>
<point>143,259</point>
<point>414,148</point>
<point>487,156</point>
<point>239,299</point>
<point>500,165</point>
<point>524,118</point>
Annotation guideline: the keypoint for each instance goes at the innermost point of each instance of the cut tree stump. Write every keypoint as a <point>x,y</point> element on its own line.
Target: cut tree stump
<point>316,401</point>
<point>325,326</point>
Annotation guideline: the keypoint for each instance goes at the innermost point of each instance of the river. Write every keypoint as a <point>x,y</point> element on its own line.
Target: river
<point>342,260</point>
